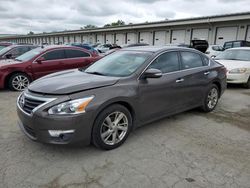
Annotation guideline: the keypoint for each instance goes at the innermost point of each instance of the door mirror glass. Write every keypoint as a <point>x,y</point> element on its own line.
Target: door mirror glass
<point>40,60</point>
<point>152,73</point>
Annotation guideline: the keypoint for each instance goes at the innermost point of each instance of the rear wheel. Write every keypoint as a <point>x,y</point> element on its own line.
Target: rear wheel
<point>211,99</point>
<point>19,82</point>
<point>112,127</point>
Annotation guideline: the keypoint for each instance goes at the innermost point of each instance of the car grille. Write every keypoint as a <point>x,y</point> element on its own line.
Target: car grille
<point>28,104</point>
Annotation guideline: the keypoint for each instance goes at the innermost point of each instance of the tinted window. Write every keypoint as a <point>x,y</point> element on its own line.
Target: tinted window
<point>19,51</point>
<point>53,55</point>
<point>76,53</point>
<point>190,60</point>
<point>167,62</point>
<point>237,44</point>
<point>205,60</point>
<point>228,45</point>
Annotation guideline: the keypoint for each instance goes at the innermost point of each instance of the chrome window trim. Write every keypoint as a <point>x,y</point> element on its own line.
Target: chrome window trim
<point>46,101</point>
<point>90,55</point>
<point>182,70</point>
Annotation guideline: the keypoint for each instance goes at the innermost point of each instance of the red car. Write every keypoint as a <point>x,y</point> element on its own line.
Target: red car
<point>18,73</point>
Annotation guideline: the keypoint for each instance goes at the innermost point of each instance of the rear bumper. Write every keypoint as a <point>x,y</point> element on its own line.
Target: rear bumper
<point>237,78</point>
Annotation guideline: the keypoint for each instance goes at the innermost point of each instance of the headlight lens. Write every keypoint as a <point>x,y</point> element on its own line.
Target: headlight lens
<point>71,107</point>
<point>238,71</point>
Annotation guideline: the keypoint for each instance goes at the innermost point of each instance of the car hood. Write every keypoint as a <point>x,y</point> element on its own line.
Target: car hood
<point>234,64</point>
<point>70,81</point>
<point>5,62</point>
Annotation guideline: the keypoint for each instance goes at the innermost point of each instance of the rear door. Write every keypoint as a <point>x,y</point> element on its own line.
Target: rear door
<point>77,59</point>
<point>193,78</point>
<point>53,62</point>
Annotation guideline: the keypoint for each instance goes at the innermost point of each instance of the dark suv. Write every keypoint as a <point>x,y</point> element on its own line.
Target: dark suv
<point>236,44</point>
<point>13,51</point>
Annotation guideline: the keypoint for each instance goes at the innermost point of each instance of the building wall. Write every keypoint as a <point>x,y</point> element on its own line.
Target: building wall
<point>154,36</point>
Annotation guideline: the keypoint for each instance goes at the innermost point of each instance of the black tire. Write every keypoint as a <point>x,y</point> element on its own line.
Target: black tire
<point>11,82</point>
<point>206,106</point>
<point>247,85</point>
<point>97,139</point>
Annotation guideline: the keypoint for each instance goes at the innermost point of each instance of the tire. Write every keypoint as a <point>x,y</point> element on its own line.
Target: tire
<point>247,85</point>
<point>108,134</point>
<point>211,99</point>
<point>19,82</point>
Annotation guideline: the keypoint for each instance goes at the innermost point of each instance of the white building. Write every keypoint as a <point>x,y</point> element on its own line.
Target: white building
<point>216,29</point>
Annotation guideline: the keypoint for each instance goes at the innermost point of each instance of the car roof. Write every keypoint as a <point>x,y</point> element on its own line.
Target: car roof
<point>51,47</point>
<point>16,45</point>
<point>155,49</point>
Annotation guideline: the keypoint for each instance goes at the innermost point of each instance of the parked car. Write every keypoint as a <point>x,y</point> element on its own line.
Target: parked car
<point>201,45</point>
<point>13,51</point>
<point>236,44</point>
<point>4,45</point>
<point>134,45</point>
<point>237,62</point>
<point>18,73</point>
<point>86,46</point>
<point>103,48</point>
<point>214,50</point>
<point>122,91</point>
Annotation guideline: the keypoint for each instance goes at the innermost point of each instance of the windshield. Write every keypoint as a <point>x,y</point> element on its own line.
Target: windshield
<point>241,55</point>
<point>4,50</point>
<point>119,64</point>
<point>29,55</point>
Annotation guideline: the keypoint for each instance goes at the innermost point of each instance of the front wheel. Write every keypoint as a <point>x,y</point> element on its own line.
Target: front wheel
<point>247,85</point>
<point>19,82</point>
<point>211,99</point>
<point>112,127</point>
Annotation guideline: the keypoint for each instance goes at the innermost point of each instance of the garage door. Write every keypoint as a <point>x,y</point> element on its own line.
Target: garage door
<point>160,38</point>
<point>109,38</point>
<point>248,34</point>
<point>61,40</point>
<point>65,39</point>
<point>178,36</point>
<point>120,39</point>
<point>78,38</point>
<point>146,37</point>
<point>225,34</point>
<point>131,38</point>
<point>100,38</point>
<point>200,34</point>
<point>71,39</point>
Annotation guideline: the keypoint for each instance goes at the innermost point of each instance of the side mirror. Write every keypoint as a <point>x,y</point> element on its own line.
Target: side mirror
<point>213,56</point>
<point>40,60</point>
<point>152,73</point>
<point>8,56</point>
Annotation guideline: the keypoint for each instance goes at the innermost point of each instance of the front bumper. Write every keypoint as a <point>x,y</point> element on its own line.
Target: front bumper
<point>37,126</point>
<point>237,78</point>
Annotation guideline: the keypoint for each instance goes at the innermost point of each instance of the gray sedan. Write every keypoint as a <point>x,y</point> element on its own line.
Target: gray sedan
<point>129,88</point>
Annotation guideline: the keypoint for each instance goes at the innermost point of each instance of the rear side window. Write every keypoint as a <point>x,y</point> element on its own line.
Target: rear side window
<point>191,60</point>
<point>167,62</point>
<point>53,55</point>
<point>205,60</point>
<point>237,44</point>
<point>76,53</point>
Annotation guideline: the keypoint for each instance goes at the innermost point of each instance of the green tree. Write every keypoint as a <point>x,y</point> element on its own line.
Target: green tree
<point>31,33</point>
<point>89,26</point>
<point>113,24</point>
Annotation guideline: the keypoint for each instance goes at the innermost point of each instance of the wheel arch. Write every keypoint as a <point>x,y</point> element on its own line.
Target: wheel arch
<point>7,78</point>
<point>218,84</point>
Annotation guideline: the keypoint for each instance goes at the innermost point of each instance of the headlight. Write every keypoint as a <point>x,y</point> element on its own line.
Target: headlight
<point>238,71</point>
<point>71,107</point>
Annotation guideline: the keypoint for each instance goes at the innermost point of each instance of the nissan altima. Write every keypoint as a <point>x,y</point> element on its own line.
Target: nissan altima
<point>124,90</point>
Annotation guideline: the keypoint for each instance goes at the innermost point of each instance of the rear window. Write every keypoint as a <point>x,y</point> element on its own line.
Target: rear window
<point>76,53</point>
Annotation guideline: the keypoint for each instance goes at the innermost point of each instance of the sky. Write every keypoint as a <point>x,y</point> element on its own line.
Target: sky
<point>23,16</point>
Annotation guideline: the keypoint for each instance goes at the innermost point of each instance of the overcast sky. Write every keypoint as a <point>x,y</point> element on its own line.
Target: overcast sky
<point>22,16</point>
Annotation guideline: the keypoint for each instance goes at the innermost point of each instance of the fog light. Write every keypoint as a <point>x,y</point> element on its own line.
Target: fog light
<point>57,133</point>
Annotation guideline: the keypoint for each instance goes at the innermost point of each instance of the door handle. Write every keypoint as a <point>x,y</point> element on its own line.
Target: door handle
<point>179,80</point>
<point>206,73</point>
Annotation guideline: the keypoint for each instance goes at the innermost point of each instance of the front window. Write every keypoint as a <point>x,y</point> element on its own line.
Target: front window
<point>119,64</point>
<point>30,54</point>
<point>240,55</point>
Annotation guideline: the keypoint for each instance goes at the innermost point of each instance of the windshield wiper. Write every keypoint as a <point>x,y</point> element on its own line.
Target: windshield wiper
<point>96,73</point>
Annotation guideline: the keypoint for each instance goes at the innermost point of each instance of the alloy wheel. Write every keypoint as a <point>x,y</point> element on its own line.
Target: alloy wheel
<point>20,82</point>
<point>212,98</point>
<point>114,128</point>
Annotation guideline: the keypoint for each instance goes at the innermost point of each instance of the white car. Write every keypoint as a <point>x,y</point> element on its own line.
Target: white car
<point>237,62</point>
<point>214,50</point>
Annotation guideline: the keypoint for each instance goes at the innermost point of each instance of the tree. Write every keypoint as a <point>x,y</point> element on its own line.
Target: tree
<point>89,26</point>
<point>31,33</point>
<point>113,24</point>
